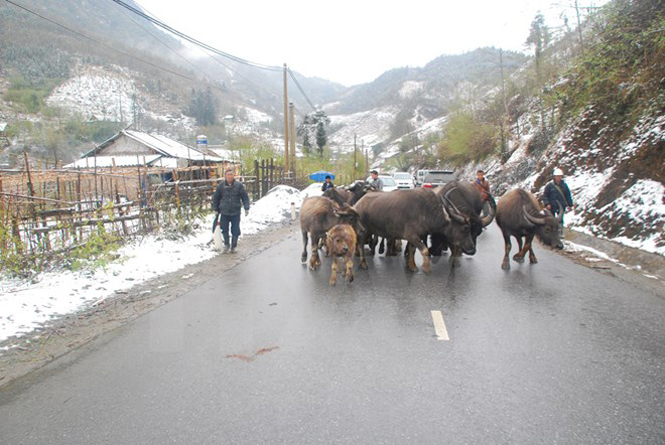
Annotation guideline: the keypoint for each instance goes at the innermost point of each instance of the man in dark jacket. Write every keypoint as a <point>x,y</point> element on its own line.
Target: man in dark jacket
<point>557,192</point>
<point>228,201</point>
<point>328,184</point>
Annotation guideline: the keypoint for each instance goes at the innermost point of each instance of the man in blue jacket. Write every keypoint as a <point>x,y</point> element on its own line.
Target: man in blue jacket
<point>557,192</point>
<point>228,201</point>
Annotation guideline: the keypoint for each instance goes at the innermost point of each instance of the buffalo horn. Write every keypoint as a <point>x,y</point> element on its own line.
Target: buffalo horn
<point>486,221</point>
<point>455,213</point>
<point>446,216</point>
<point>532,219</point>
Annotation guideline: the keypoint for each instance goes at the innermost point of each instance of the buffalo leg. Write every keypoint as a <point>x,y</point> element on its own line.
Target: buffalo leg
<point>519,256</point>
<point>382,246</point>
<point>349,268</point>
<point>456,254</point>
<point>303,258</point>
<point>505,265</point>
<point>410,258</point>
<point>363,260</point>
<point>416,242</point>
<point>315,261</point>
<point>333,272</point>
<point>373,240</point>
<point>529,246</point>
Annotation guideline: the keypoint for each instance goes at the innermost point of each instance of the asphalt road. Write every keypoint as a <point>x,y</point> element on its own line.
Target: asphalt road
<point>268,353</point>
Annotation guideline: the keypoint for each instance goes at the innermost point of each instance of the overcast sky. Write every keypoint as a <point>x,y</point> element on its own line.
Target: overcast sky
<point>355,41</point>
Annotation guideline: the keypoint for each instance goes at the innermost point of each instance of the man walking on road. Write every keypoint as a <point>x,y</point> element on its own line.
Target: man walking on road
<point>557,192</point>
<point>376,181</point>
<point>482,184</point>
<point>228,201</point>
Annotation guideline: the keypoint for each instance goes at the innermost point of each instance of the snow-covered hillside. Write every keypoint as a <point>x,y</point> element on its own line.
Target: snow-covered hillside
<point>112,94</point>
<point>371,126</point>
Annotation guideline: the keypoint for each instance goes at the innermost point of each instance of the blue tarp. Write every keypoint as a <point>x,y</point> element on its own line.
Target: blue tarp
<point>320,176</point>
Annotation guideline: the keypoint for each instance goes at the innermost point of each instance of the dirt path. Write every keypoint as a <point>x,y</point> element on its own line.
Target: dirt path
<point>34,350</point>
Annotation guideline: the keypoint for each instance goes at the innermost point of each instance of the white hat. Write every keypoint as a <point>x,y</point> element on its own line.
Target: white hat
<point>557,172</point>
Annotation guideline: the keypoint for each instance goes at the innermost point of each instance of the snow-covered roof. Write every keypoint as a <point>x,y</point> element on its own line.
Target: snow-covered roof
<point>163,145</point>
<point>170,147</point>
<point>120,161</point>
<point>222,152</point>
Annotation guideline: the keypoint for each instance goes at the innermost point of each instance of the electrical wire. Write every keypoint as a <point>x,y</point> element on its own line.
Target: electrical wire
<point>195,41</point>
<point>301,90</point>
<point>154,65</point>
<point>212,56</point>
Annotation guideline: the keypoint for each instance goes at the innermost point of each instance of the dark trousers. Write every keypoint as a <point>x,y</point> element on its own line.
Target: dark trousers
<point>234,221</point>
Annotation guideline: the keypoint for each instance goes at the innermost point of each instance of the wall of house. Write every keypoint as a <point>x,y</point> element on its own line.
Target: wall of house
<point>126,146</point>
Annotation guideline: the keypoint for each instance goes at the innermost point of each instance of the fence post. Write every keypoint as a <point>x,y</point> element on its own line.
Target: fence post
<point>272,173</point>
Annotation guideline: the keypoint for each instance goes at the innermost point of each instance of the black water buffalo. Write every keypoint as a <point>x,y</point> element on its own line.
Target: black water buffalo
<point>319,214</point>
<point>520,215</point>
<point>465,198</point>
<point>350,195</point>
<point>411,215</point>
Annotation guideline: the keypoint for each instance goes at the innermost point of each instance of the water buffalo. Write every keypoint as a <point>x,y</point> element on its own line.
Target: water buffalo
<point>341,244</point>
<point>520,215</point>
<point>350,195</point>
<point>465,198</point>
<point>411,215</point>
<point>317,215</point>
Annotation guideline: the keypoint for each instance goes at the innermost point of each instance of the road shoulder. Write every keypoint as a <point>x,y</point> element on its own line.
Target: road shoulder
<point>34,350</point>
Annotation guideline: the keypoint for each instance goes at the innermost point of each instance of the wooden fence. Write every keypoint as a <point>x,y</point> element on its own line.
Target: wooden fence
<point>51,211</point>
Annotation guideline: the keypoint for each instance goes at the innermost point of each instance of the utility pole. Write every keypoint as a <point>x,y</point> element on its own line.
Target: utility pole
<point>355,157</point>
<point>505,109</point>
<point>579,24</point>
<point>292,115</point>
<point>287,165</point>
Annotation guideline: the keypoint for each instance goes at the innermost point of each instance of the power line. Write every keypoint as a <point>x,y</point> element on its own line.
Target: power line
<point>212,56</point>
<point>301,90</point>
<point>195,41</point>
<point>154,65</point>
<point>164,44</point>
<point>213,50</point>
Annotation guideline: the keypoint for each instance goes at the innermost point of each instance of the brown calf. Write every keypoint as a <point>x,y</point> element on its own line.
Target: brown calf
<point>341,243</point>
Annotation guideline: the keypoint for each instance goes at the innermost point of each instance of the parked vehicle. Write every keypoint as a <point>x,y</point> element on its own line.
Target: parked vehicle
<point>437,178</point>
<point>404,180</point>
<point>420,175</point>
<point>389,183</point>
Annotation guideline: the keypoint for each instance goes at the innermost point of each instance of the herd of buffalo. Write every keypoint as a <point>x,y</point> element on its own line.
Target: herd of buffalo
<point>452,217</point>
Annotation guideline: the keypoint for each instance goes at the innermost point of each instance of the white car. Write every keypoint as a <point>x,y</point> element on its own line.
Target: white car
<point>403,180</point>
<point>389,183</point>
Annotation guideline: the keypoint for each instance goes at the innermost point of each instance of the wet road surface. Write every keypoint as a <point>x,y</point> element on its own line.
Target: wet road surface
<point>269,353</point>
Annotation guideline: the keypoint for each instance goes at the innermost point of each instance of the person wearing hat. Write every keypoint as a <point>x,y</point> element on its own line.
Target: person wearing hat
<point>557,195</point>
<point>328,184</point>
<point>230,197</point>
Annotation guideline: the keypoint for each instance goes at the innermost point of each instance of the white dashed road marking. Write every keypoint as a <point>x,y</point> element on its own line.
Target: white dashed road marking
<point>439,326</point>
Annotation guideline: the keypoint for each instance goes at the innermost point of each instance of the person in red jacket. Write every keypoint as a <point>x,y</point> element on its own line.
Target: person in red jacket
<point>482,184</point>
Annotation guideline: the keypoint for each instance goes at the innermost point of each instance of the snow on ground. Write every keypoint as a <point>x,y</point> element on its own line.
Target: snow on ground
<point>102,93</point>
<point>410,88</point>
<point>256,117</point>
<point>25,306</point>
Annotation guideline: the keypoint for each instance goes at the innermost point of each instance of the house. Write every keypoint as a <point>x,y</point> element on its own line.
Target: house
<point>130,148</point>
